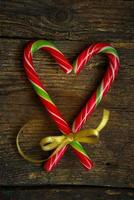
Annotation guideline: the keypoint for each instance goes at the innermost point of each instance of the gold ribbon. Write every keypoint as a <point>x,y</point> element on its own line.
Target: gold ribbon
<point>89,136</point>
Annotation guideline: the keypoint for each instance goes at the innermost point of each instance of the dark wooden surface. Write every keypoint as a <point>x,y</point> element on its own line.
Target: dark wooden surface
<point>67,193</point>
<point>72,25</point>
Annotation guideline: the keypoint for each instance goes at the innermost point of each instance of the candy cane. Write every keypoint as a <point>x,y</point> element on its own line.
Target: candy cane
<point>38,86</point>
<point>47,101</point>
<point>103,88</point>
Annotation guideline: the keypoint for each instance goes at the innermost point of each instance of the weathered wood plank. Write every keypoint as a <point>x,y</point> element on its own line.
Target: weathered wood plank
<point>68,193</point>
<point>73,20</point>
<point>113,156</point>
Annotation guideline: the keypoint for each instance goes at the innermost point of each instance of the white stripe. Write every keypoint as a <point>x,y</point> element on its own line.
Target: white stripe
<point>28,62</point>
<point>88,53</point>
<point>56,115</point>
<point>62,61</point>
<point>84,118</point>
<point>112,68</point>
<point>61,124</point>
<point>31,73</point>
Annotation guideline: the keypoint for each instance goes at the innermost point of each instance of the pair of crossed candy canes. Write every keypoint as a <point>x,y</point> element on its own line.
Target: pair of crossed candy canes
<point>91,104</point>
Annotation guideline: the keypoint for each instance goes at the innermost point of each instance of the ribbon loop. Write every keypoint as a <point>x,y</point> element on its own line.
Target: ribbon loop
<point>90,136</point>
<point>51,142</point>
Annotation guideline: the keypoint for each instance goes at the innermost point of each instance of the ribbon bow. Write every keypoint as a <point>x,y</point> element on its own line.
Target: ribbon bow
<point>89,136</point>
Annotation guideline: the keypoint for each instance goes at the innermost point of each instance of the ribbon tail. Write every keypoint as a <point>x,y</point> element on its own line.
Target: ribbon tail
<point>22,153</point>
<point>105,118</point>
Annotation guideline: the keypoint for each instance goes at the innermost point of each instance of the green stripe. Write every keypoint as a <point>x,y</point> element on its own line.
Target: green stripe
<point>42,93</point>
<point>99,94</point>
<point>75,65</point>
<point>76,145</point>
<point>42,43</point>
<point>109,50</point>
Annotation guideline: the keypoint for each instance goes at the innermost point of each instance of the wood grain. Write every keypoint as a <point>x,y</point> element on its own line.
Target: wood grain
<point>66,193</point>
<point>68,19</point>
<point>113,156</point>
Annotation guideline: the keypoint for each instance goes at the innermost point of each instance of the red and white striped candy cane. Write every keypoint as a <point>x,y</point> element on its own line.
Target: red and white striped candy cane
<point>47,101</point>
<point>105,84</point>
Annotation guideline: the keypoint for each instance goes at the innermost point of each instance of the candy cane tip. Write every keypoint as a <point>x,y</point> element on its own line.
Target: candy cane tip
<point>46,168</point>
<point>69,71</point>
<point>90,166</point>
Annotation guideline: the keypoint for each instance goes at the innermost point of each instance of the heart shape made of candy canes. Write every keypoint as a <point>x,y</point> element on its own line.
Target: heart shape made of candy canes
<point>91,104</point>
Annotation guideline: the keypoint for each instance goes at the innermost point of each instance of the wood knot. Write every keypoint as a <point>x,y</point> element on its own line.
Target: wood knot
<point>60,16</point>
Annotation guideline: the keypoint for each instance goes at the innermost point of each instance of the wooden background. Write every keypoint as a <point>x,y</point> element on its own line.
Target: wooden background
<point>72,25</point>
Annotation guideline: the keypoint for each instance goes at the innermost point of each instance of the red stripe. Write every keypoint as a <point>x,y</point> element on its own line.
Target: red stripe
<point>90,103</point>
<point>87,163</point>
<point>60,59</point>
<point>53,160</point>
<point>63,125</point>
